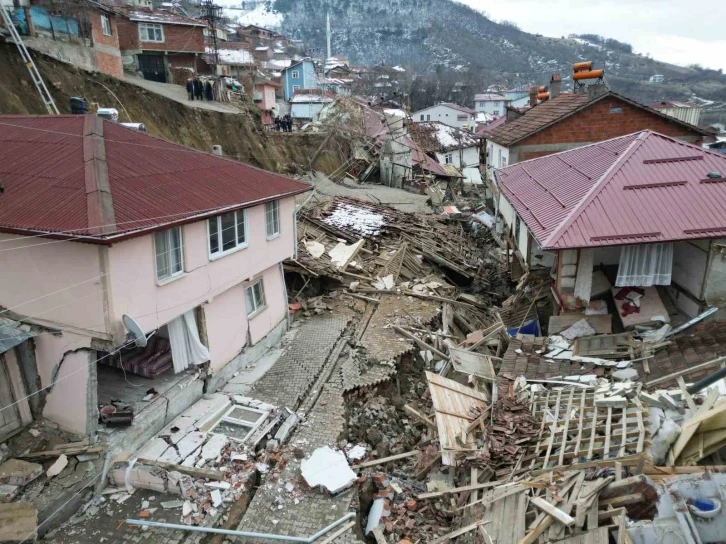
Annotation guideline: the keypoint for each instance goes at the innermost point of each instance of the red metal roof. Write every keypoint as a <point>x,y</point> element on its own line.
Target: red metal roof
<point>152,182</point>
<point>643,187</point>
<point>552,111</point>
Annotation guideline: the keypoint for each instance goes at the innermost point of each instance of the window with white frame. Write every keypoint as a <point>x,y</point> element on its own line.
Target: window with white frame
<point>105,25</point>
<point>504,162</point>
<point>255,297</point>
<point>227,232</point>
<point>272,218</point>
<point>149,32</point>
<point>295,74</point>
<point>499,157</point>
<point>169,253</point>
<point>448,158</point>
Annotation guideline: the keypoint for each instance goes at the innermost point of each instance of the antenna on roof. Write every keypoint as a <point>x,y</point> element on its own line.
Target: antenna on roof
<point>135,332</point>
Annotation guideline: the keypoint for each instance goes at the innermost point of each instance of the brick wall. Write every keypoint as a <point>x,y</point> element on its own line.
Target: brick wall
<point>108,55</point>
<point>597,123</point>
<point>176,38</point>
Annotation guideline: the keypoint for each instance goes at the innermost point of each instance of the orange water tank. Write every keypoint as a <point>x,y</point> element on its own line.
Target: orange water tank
<point>579,66</point>
<point>543,96</point>
<point>592,74</point>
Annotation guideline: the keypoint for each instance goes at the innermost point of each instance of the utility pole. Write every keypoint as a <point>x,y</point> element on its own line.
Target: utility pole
<point>212,14</point>
<point>328,33</point>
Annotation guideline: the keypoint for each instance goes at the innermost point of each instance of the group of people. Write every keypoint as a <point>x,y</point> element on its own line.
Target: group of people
<point>196,88</point>
<point>283,123</point>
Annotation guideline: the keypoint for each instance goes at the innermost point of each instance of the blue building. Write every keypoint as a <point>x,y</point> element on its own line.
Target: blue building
<point>300,75</point>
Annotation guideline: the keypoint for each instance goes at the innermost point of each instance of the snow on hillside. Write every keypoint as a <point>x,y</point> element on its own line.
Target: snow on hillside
<point>260,16</point>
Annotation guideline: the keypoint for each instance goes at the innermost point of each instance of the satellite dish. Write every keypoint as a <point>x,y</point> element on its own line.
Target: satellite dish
<point>135,331</point>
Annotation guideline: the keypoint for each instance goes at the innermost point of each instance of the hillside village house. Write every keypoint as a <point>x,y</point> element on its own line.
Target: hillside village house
<point>160,42</point>
<point>186,243</point>
<point>297,77</point>
<point>449,114</point>
<point>569,120</point>
<point>308,103</point>
<point>690,112</point>
<point>234,59</point>
<point>86,35</point>
<point>645,212</point>
<point>490,103</point>
<point>263,94</point>
<point>451,146</point>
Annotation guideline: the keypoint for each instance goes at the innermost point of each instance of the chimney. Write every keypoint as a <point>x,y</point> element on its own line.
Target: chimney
<point>533,91</point>
<point>595,90</point>
<point>555,86</point>
<point>217,150</point>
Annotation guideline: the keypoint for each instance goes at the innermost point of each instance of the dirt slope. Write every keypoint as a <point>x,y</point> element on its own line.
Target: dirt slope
<point>240,136</point>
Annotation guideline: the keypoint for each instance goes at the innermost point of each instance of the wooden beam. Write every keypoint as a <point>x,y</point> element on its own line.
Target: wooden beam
<point>471,487</point>
<point>622,500</point>
<point>422,418</point>
<point>207,473</point>
<point>384,460</point>
<point>458,532</point>
<point>420,342</point>
<point>686,371</point>
<point>628,460</point>
<point>553,511</point>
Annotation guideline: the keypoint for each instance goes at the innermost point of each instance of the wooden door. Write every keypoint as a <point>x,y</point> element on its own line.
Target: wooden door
<point>10,419</point>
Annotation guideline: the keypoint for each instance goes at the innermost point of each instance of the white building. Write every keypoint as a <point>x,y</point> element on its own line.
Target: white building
<point>449,114</point>
<point>657,78</point>
<point>491,103</point>
<point>689,112</point>
<point>451,146</point>
<point>307,103</point>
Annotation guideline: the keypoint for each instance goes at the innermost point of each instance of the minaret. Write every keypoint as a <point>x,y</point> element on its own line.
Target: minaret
<point>329,52</point>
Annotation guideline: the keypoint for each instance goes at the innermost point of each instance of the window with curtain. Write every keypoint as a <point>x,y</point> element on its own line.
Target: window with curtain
<point>645,265</point>
<point>227,232</point>
<point>272,217</point>
<point>169,253</point>
<point>255,298</point>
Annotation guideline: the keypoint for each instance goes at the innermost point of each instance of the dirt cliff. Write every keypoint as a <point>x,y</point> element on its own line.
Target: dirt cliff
<point>240,135</point>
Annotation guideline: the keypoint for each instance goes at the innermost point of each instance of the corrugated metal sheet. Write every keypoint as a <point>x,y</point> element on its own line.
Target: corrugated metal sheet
<point>13,333</point>
<point>152,181</point>
<point>611,194</point>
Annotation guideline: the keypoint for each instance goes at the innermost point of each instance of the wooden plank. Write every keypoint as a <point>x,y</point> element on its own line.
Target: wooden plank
<point>553,511</point>
<point>471,487</point>
<point>592,435</point>
<point>553,430</point>
<point>623,500</point>
<point>624,431</point>
<point>628,460</point>
<point>592,516</point>
<point>420,342</point>
<point>641,433</point>
<point>208,473</point>
<point>458,532</point>
<point>579,427</point>
<point>384,460</point>
<point>608,430</point>
<point>541,429</point>
<point>566,427</point>
<point>686,394</point>
<point>410,410</point>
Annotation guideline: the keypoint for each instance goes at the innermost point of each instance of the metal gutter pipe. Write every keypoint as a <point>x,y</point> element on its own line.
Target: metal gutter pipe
<point>229,532</point>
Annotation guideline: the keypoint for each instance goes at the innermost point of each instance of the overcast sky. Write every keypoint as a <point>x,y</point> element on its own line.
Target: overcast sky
<point>676,31</point>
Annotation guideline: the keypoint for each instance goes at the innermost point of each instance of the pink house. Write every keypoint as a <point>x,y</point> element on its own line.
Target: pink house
<point>102,226</point>
<point>264,96</point>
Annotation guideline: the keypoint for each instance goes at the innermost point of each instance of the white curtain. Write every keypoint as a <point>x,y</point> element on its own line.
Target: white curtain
<point>186,349</point>
<point>645,265</point>
<point>583,281</point>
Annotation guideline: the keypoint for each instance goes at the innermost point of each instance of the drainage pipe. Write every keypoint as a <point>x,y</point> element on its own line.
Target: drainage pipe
<point>229,532</point>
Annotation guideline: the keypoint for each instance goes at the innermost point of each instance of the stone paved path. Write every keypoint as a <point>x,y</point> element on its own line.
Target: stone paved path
<point>289,381</point>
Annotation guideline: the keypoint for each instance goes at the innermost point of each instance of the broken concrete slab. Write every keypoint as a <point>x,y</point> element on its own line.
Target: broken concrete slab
<point>141,476</point>
<point>168,505</point>
<point>8,492</point>
<point>216,498</point>
<point>18,522</point>
<point>213,448</point>
<point>190,443</point>
<point>375,514</point>
<point>153,449</point>
<point>651,400</point>
<point>208,410</point>
<point>179,428</point>
<point>286,428</point>
<point>57,467</point>
<point>170,455</point>
<point>626,374</point>
<point>328,469</point>
<point>19,472</point>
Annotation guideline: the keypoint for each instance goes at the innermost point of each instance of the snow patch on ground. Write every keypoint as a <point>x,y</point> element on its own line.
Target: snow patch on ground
<point>362,221</point>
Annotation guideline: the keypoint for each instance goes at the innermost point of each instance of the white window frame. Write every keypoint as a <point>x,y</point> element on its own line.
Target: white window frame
<point>295,74</point>
<point>258,305</point>
<point>272,208</point>
<point>105,25</point>
<point>252,426</point>
<point>504,161</point>
<point>153,26</point>
<point>169,275</point>
<point>449,158</point>
<point>238,245</point>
